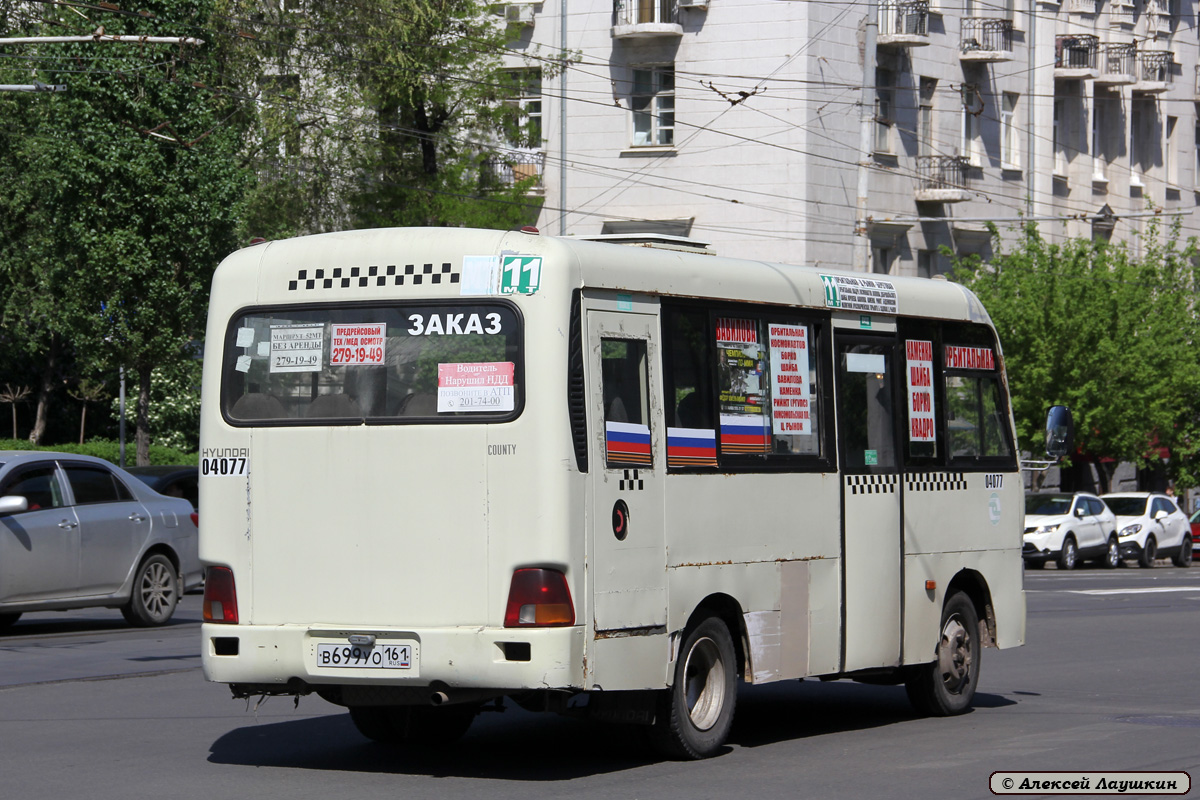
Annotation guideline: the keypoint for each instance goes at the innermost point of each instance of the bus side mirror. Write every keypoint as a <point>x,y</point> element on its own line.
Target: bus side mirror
<point>1060,432</point>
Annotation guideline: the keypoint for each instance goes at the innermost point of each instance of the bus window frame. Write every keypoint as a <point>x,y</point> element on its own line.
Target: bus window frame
<point>972,334</point>
<point>229,344</point>
<point>822,328</point>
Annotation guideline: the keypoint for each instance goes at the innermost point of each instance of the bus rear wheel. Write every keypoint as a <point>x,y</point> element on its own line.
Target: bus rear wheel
<point>695,714</point>
<point>427,725</point>
<point>947,686</point>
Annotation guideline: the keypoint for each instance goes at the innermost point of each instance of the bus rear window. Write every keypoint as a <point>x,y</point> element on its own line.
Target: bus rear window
<point>346,365</point>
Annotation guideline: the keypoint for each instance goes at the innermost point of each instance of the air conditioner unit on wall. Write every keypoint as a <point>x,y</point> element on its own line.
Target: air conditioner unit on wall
<point>697,4</point>
<point>519,14</point>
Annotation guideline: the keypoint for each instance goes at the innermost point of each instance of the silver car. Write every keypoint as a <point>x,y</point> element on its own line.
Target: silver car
<point>76,531</point>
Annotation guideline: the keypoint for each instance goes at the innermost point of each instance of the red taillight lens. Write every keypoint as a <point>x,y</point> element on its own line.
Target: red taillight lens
<point>539,598</point>
<point>195,519</point>
<point>220,596</point>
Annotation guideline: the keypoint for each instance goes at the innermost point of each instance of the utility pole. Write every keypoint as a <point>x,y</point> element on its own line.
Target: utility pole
<point>562,127</point>
<point>862,249</point>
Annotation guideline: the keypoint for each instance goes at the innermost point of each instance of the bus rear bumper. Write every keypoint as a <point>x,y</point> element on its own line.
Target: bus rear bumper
<point>297,659</point>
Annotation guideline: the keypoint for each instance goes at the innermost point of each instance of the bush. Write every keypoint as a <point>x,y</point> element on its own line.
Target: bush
<point>109,450</point>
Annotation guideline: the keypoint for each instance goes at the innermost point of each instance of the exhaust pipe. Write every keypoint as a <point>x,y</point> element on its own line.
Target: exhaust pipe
<point>438,698</point>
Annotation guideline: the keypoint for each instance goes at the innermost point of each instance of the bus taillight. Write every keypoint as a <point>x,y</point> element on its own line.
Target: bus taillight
<point>220,596</point>
<point>538,598</point>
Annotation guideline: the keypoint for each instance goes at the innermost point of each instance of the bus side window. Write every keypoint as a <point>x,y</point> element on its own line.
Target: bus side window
<point>690,379</point>
<point>623,368</point>
<point>975,417</point>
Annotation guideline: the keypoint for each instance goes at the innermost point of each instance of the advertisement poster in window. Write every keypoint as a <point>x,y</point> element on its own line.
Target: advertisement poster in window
<point>790,412</point>
<point>744,427</point>
<point>919,355</point>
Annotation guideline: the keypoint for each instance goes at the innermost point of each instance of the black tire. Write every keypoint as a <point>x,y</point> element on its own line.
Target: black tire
<point>1035,564</point>
<point>155,593</point>
<point>414,725</point>
<point>1181,559</point>
<point>1112,556</point>
<point>694,716</point>
<point>946,687</point>
<point>1149,553</point>
<point>1068,557</point>
<point>8,620</point>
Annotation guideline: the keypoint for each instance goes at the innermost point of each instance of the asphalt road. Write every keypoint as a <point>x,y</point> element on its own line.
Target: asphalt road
<point>1108,680</point>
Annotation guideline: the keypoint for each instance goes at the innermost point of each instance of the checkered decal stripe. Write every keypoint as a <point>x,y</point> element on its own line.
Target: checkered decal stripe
<point>935,482</point>
<point>872,484</point>
<point>361,277</point>
<point>632,481</point>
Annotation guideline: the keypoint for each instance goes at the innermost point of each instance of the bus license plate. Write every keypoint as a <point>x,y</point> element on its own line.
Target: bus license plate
<point>379,656</point>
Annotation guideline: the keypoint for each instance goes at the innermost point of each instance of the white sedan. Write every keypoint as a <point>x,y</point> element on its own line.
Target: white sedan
<point>1067,528</point>
<point>1151,526</point>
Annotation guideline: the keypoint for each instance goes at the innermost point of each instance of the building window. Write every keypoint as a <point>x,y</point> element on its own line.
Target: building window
<point>881,260</point>
<point>1137,139</point>
<point>278,100</point>
<point>653,106</point>
<point>883,110</point>
<point>1105,108</point>
<point>1060,150</point>
<point>925,117</point>
<point>1170,162</point>
<point>1196,177</point>
<point>1010,142</point>
<point>925,263</point>
<point>970,146</point>
<point>525,92</point>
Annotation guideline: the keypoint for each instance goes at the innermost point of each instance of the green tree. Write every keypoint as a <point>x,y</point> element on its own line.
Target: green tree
<point>396,112</point>
<point>1102,329</point>
<point>124,190</point>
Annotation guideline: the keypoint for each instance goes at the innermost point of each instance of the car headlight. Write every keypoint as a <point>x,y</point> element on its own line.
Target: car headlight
<point>1130,530</point>
<point>1047,529</point>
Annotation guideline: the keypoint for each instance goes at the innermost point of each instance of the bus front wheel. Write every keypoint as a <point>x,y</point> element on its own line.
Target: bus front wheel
<point>429,725</point>
<point>947,686</point>
<point>695,714</point>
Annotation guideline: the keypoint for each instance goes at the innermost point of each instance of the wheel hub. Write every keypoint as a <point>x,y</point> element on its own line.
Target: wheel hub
<point>954,655</point>
<point>704,684</point>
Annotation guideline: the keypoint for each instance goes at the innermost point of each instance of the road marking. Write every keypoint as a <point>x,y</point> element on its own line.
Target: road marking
<point>1151,590</point>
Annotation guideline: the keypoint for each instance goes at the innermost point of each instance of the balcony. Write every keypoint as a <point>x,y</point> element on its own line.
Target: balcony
<point>646,19</point>
<point>1118,64</point>
<point>514,166</point>
<point>1082,6</point>
<point>1120,13</point>
<point>985,39</point>
<point>903,23</point>
<point>1153,71</point>
<point>1075,57</point>
<point>943,179</point>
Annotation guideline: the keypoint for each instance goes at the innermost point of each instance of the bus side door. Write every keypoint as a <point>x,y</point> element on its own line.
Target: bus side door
<point>871,507</point>
<point>628,544</point>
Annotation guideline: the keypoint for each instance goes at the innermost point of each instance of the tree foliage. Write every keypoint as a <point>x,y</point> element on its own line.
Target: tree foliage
<point>124,191</point>
<point>395,112</point>
<point>1109,330</point>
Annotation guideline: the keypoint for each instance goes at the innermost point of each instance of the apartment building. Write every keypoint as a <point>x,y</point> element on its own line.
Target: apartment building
<point>740,122</point>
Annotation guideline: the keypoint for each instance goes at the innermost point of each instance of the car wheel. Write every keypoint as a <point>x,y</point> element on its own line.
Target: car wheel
<point>696,713</point>
<point>947,686</point>
<point>155,593</point>
<point>1184,557</point>
<point>1149,553</point>
<point>1035,564</point>
<point>8,620</point>
<point>1069,554</point>
<point>1112,556</point>
<point>423,725</point>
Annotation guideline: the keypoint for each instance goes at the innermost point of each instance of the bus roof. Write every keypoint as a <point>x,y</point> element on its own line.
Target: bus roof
<point>354,264</point>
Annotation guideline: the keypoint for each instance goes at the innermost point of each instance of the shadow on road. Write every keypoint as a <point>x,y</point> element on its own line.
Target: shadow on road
<point>523,746</point>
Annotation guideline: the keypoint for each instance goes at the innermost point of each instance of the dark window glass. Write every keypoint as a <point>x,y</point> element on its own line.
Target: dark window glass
<point>976,422</point>
<point>865,408</point>
<point>624,374</point>
<point>343,365</point>
<point>38,485</point>
<point>95,485</point>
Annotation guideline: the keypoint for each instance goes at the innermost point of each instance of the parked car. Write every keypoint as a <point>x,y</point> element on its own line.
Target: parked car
<point>78,532</point>
<point>1068,528</point>
<point>1151,526</point>
<point>173,481</point>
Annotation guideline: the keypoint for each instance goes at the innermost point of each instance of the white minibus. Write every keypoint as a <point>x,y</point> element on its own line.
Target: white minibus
<point>448,468</point>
